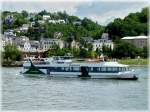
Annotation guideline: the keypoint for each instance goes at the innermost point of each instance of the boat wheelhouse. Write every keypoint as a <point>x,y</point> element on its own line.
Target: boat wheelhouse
<point>62,67</point>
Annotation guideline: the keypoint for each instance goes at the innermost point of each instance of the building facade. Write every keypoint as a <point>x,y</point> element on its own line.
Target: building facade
<point>5,40</point>
<point>46,43</point>
<point>138,41</point>
<point>60,21</point>
<point>46,17</point>
<point>104,41</point>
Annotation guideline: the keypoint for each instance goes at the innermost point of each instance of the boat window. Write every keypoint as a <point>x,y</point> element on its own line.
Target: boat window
<point>127,68</point>
<point>98,68</point>
<point>67,68</point>
<point>103,69</point>
<point>62,68</point>
<point>124,69</point>
<point>75,68</point>
<point>120,69</point>
<point>114,69</point>
<point>91,69</point>
<point>71,68</point>
<point>109,69</point>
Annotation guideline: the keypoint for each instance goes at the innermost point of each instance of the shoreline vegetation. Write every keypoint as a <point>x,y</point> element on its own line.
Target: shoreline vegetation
<point>134,62</point>
<point>131,62</point>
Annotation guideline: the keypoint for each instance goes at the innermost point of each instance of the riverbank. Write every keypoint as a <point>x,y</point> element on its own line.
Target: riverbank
<point>134,62</point>
<point>12,64</point>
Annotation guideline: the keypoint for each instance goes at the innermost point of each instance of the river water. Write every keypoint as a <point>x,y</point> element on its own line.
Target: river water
<point>45,93</point>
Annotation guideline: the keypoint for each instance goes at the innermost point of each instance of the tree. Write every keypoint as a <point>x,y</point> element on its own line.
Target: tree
<point>11,53</point>
<point>44,12</point>
<point>69,40</point>
<point>71,19</point>
<point>132,25</point>
<point>24,13</point>
<point>107,50</point>
<point>84,53</point>
<point>125,49</point>
<point>145,51</point>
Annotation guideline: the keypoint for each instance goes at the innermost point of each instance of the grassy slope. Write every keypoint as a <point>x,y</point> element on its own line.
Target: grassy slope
<point>134,61</point>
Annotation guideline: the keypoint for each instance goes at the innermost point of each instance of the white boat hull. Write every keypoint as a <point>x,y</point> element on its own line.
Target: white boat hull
<point>72,70</point>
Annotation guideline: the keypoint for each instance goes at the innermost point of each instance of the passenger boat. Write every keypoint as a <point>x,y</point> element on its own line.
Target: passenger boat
<point>64,67</point>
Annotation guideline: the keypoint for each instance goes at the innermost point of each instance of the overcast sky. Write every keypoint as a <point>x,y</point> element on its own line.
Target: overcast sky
<point>100,11</point>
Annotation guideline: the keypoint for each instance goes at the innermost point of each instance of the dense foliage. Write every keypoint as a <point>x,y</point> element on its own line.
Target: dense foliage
<point>11,53</point>
<point>125,49</point>
<point>47,30</point>
<point>132,25</point>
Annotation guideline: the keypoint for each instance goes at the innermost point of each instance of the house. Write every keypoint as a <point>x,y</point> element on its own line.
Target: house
<point>25,45</point>
<point>24,27</point>
<point>87,39</point>
<point>31,16</point>
<point>9,33</point>
<point>32,24</point>
<point>9,19</point>
<point>20,40</point>
<point>35,45</point>
<point>58,35</point>
<point>78,22</point>
<point>60,21</point>
<point>52,21</point>
<point>30,46</point>
<point>41,21</point>
<point>138,41</point>
<point>104,41</point>
<point>105,36</point>
<point>5,40</point>
<point>46,17</point>
<point>75,44</point>
<point>46,43</point>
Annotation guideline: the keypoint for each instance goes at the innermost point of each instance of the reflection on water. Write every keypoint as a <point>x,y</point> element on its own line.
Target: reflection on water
<point>49,93</point>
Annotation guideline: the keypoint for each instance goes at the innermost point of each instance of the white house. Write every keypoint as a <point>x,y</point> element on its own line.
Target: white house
<point>31,16</point>
<point>26,46</point>
<point>104,41</point>
<point>9,19</point>
<point>19,40</point>
<point>52,21</point>
<point>75,44</point>
<point>57,35</point>
<point>46,43</point>
<point>31,46</point>
<point>9,33</point>
<point>46,17</point>
<point>5,40</point>
<point>77,22</point>
<point>35,45</point>
<point>59,21</point>
<point>41,21</point>
<point>24,27</point>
